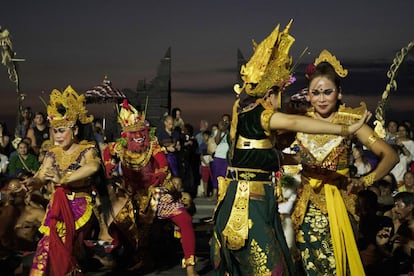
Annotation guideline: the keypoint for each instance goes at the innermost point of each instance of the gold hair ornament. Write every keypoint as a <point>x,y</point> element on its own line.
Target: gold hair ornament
<point>270,64</point>
<point>326,56</point>
<point>66,107</point>
<point>391,85</point>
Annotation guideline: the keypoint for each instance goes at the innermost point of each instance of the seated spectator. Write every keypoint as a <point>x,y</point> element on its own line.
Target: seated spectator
<point>396,249</point>
<point>16,142</point>
<point>4,164</point>
<point>391,179</point>
<point>5,140</point>
<point>403,208</point>
<point>369,226</point>
<point>404,140</point>
<point>400,257</point>
<point>385,199</point>
<point>23,162</point>
<point>361,163</point>
<point>391,132</point>
<point>408,183</point>
<point>39,132</point>
<point>409,124</point>
<point>405,148</point>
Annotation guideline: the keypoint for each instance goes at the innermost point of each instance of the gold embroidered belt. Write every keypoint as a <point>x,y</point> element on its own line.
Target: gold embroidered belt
<point>245,143</point>
<point>323,176</point>
<point>248,174</point>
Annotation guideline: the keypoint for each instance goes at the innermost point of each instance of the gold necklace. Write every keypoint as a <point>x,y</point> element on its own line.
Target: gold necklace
<point>136,160</point>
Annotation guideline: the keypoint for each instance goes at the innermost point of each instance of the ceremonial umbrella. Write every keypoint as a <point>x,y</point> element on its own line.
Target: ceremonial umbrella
<point>104,94</point>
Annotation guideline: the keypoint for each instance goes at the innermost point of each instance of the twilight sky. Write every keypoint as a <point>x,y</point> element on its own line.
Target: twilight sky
<point>78,42</point>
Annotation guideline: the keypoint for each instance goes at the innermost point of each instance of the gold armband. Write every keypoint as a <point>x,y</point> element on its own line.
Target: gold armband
<point>344,130</point>
<point>369,179</point>
<point>371,140</point>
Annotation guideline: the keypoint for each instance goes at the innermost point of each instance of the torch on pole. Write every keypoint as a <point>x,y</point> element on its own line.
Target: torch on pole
<point>9,60</point>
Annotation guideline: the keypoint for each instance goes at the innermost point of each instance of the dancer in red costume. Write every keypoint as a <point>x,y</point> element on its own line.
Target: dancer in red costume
<point>145,176</point>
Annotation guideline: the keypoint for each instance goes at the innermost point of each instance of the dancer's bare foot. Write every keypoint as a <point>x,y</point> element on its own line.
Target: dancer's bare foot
<point>191,271</point>
<point>189,265</point>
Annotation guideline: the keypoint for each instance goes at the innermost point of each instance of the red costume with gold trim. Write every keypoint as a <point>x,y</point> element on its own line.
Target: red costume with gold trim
<point>145,175</point>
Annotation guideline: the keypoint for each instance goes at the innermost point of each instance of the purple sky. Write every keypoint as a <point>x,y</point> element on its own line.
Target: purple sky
<point>78,42</point>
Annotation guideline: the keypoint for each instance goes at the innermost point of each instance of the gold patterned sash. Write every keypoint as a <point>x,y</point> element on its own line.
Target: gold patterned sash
<point>237,227</point>
<point>236,231</point>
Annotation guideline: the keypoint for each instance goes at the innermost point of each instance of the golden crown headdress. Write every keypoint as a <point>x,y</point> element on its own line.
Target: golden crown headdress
<point>326,56</point>
<point>66,107</point>
<point>130,118</point>
<point>269,65</point>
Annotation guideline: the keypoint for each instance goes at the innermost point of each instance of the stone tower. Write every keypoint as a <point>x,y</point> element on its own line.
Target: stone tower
<point>154,97</point>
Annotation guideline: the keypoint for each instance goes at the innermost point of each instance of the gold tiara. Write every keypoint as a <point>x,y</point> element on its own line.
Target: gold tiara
<point>66,107</point>
<point>326,56</point>
<point>130,119</point>
<point>270,64</point>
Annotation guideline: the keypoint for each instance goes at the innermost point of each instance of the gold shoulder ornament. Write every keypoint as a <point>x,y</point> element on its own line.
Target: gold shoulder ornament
<point>350,115</point>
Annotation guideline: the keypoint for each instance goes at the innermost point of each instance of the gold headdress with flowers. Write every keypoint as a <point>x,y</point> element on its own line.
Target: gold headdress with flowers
<point>270,64</point>
<point>130,119</point>
<point>66,107</point>
<point>326,56</point>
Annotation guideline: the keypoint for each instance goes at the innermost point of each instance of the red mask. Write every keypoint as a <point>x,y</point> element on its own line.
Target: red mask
<point>138,141</point>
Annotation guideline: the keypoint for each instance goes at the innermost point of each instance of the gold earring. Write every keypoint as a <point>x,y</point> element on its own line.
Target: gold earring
<point>339,96</point>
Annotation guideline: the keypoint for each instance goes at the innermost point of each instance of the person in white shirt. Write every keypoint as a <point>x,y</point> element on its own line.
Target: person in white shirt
<point>405,148</point>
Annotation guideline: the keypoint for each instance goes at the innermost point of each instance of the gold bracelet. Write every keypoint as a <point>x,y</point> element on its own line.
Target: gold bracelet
<point>369,179</point>
<point>344,130</point>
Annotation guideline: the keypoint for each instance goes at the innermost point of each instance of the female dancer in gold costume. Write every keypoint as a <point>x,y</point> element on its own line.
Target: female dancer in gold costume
<point>68,167</point>
<point>326,207</point>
